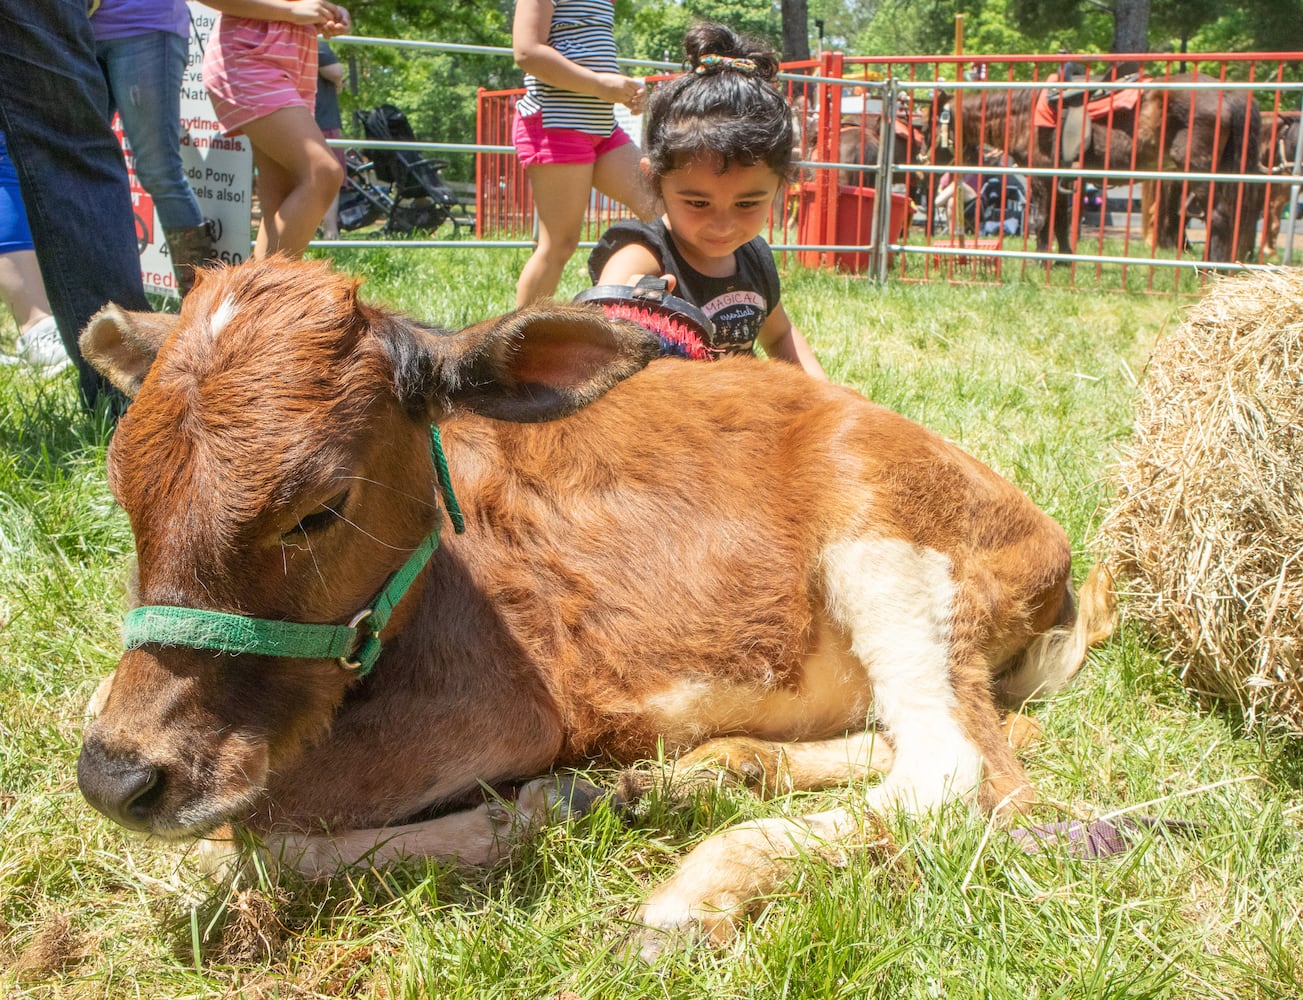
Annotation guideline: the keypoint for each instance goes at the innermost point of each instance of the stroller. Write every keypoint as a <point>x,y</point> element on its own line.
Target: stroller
<point>363,200</point>
<point>1002,204</point>
<point>415,195</point>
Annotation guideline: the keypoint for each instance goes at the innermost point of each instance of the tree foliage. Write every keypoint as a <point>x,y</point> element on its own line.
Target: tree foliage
<point>656,29</point>
<point>437,91</point>
<point>1174,25</point>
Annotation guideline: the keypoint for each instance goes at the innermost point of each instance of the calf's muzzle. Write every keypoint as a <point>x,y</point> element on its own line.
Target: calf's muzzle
<point>126,790</point>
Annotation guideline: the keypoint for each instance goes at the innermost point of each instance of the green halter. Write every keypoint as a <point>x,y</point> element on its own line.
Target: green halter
<point>356,645</point>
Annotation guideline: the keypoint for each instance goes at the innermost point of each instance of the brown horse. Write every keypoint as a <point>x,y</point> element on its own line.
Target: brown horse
<point>1278,159</point>
<point>1202,131</point>
<point>858,141</point>
<point>1168,208</point>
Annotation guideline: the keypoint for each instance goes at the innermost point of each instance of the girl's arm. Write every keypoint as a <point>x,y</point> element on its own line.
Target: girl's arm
<point>781,340</point>
<point>628,264</point>
<point>330,18</point>
<point>529,32</point>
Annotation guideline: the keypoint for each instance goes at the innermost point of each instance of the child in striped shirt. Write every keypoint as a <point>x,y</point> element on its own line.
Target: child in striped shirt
<point>261,73</point>
<point>565,132</point>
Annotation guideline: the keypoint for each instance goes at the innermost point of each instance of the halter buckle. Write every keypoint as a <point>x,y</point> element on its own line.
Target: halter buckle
<point>354,622</point>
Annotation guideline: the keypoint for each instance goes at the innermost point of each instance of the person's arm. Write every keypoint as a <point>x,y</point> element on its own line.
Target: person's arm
<point>782,341</point>
<point>529,33</point>
<point>631,262</point>
<point>330,18</point>
<point>332,73</point>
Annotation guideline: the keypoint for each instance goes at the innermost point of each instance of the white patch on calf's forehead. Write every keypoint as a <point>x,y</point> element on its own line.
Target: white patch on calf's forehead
<point>221,317</point>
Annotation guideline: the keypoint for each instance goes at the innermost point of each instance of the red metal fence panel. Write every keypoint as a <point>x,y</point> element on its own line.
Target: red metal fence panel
<point>1171,163</point>
<point>1114,167</point>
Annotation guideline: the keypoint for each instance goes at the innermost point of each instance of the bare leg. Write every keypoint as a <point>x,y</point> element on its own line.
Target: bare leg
<point>298,177</point>
<point>618,175</point>
<point>330,221</point>
<point>561,192</point>
<point>22,289</point>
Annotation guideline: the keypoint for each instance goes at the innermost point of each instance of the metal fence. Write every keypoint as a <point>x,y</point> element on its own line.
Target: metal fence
<point>1140,204</point>
<point>1147,181</point>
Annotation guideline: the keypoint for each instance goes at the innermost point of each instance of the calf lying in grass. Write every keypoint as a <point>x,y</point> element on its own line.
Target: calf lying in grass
<point>664,557</point>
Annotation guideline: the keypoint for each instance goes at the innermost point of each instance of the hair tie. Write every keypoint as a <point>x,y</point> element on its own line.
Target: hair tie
<point>716,64</point>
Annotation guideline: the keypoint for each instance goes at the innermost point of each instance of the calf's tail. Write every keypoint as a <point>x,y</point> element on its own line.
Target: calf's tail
<point>1054,657</point>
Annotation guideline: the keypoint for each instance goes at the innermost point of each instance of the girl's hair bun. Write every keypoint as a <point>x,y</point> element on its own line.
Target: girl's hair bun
<point>712,47</point>
<point>728,107</point>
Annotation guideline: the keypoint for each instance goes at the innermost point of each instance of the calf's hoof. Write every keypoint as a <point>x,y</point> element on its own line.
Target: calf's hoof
<point>557,798</point>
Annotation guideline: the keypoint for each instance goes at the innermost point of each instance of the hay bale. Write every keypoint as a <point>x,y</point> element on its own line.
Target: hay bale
<point>1207,527</point>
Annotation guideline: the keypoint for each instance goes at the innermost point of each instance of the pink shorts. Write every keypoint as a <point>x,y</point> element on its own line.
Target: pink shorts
<point>537,145</point>
<point>252,68</point>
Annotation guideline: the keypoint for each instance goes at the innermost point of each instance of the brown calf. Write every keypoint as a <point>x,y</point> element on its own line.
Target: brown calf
<point>707,550</point>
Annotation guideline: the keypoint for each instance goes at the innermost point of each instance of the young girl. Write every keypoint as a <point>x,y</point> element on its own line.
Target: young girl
<point>717,150</point>
<point>261,73</point>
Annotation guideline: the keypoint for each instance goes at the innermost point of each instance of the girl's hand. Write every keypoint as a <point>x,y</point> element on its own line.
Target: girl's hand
<point>618,89</point>
<point>330,18</point>
<point>669,279</point>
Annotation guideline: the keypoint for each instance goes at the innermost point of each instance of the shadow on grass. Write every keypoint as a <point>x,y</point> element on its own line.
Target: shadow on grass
<point>1284,760</point>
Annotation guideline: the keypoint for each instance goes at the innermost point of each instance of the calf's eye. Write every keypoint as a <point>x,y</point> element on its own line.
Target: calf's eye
<point>318,520</point>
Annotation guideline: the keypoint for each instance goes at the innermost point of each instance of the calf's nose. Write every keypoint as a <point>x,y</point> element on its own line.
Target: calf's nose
<point>125,790</point>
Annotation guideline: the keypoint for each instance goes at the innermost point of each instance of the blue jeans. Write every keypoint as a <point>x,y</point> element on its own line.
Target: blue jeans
<point>70,169</point>
<point>144,77</point>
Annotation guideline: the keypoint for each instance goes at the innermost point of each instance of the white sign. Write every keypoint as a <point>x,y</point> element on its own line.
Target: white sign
<point>220,170</point>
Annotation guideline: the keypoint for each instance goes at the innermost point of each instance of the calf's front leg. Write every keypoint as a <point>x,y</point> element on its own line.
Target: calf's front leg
<point>732,875</point>
<point>471,837</point>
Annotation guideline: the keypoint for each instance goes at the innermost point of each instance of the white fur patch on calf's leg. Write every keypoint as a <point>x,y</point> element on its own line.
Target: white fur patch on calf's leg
<point>895,601</point>
<point>734,874</point>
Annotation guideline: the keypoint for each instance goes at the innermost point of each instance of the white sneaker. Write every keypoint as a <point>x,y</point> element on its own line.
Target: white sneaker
<point>40,346</point>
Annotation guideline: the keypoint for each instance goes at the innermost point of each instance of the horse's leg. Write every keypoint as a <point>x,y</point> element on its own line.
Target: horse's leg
<point>1170,232</point>
<point>1042,188</point>
<point>1225,243</point>
<point>1062,220</point>
<point>1149,213</point>
<point>1277,195</point>
<point>1250,213</point>
<point>1220,222</point>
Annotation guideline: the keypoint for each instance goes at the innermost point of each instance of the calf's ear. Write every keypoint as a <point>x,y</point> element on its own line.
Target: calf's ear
<point>121,345</point>
<point>538,363</point>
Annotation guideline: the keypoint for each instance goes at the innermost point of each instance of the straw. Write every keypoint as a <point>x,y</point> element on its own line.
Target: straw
<point>1206,530</point>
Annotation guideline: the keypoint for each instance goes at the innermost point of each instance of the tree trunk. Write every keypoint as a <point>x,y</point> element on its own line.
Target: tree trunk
<point>1131,26</point>
<point>796,30</point>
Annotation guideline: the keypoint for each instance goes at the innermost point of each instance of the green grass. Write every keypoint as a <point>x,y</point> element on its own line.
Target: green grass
<point>1036,381</point>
